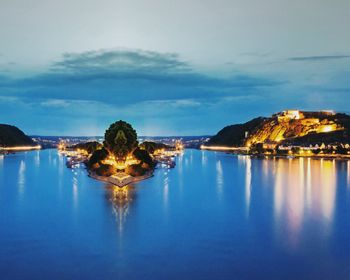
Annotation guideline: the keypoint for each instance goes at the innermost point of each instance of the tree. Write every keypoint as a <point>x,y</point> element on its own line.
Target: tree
<point>98,156</point>
<point>150,147</point>
<point>89,147</point>
<point>105,170</point>
<point>120,140</point>
<point>143,156</point>
<point>135,170</point>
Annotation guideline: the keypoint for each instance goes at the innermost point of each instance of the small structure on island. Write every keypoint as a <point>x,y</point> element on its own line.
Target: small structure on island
<point>121,160</point>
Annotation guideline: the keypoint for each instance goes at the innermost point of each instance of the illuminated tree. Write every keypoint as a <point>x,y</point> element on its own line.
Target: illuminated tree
<point>143,156</point>
<point>120,140</point>
<point>98,156</point>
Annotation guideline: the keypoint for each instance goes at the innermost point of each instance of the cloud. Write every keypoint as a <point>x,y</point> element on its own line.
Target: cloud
<point>151,89</point>
<point>55,103</point>
<point>319,58</point>
<point>120,61</point>
<point>124,77</point>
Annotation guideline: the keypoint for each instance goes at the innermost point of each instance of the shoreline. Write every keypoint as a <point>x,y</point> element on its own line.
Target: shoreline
<point>323,156</point>
<point>326,157</point>
<point>4,150</point>
<point>120,181</point>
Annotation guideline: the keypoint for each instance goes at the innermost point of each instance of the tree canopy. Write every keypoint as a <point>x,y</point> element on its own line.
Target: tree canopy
<point>120,139</point>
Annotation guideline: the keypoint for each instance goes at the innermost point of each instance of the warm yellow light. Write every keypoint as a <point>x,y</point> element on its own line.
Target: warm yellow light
<point>21,148</point>
<point>327,128</point>
<point>221,148</point>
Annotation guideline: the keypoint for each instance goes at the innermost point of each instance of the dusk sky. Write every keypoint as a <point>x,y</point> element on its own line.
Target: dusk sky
<point>169,67</point>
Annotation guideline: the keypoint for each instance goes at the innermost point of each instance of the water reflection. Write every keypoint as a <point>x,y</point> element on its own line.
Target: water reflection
<point>348,164</point>
<point>219,177</point>
<point>121,199</point>
<point>204,159</point>
<point>21,177</point>
<point>303,187</point>
<point>75,190</point>
<point>37,159</point>
<point>248,181</point>
<point>272,215</point>
<point>166,190</point>
<point>1,160</point>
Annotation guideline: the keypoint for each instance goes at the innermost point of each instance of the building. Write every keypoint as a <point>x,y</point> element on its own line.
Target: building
<point>289,115</point>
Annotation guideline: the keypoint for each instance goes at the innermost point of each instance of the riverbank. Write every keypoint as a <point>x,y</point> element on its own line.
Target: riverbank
<point>241,151</point>
<point>327,157</point>
<point>5,150</point>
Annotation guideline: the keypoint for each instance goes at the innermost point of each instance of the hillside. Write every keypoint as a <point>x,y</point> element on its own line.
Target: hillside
<point>11,136</point>
<point>290,127</point>
<point>234,135</point>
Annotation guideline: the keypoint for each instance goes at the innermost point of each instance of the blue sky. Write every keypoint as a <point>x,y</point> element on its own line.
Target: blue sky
<point>169,67</point>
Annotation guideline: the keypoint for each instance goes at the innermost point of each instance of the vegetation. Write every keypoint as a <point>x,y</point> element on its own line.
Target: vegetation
<point>105,170</point>
<point>11,136</point>
<point>143,156</point>
<point>89,147</point>
<point>135,170</point>
<point>234,135</point>
<point>120,140</point>
<point>151,147</point>
<point>121,147</point>
<point>312,128</point>
<point>97,156</point>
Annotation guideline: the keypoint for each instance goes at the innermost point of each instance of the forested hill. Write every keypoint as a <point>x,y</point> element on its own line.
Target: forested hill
<point>234,135</point>
<point>11,136</point>
<point>291,127</point>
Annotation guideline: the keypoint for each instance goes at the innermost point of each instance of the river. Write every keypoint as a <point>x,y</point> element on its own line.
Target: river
<point>214,216</point>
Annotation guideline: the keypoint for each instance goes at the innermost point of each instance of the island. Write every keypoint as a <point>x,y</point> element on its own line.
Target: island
<point>13,139</point>
<point>120,160</point>
<point>288,133</point>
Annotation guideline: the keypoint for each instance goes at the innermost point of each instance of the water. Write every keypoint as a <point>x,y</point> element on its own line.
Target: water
<point>215,216</point>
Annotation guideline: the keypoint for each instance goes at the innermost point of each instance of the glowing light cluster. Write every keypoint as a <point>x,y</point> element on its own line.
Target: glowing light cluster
<point>222,148</point>
<point>21,148</point>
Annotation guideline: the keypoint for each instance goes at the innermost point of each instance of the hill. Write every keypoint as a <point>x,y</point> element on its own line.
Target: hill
<point>11,136</point>
<point>234,135</point>
<point>290,127</point>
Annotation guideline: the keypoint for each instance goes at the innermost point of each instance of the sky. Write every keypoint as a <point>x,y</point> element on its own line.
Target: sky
<point>169,67</point>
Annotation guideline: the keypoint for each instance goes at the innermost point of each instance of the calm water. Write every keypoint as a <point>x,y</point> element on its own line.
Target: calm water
<point>215,216</point>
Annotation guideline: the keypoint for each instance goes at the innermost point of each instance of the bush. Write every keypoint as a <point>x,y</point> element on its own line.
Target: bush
<point>135,170</point>
<point>97,156</point>
<point>89,147</point>
<point>143,156</point>
<point>105,170</point>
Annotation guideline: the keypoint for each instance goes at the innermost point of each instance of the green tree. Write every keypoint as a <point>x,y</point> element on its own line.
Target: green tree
<point>98,156</point>
<point>105,170</point>
<point>120,139</point>
<point>143,156</point>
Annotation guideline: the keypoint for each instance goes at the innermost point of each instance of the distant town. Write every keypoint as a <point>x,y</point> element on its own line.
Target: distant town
<point>53,141</point>
<point>288,133</point>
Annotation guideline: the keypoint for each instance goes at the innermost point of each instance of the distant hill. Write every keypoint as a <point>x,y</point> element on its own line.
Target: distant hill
<point>11,136</point>
<point>288,127</point>
<point>234,135</point>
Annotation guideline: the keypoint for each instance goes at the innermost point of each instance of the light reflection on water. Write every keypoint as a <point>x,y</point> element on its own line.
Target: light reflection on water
<point>21,177</point>
<point>212,216</point>
<point>302,188</point>
<point>120,199</point>
<point>302,185</point>
<point>348,165</point>
<point>219,177</point>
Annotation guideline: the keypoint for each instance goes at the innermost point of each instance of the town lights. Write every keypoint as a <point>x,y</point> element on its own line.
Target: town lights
<point>21,148</point>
